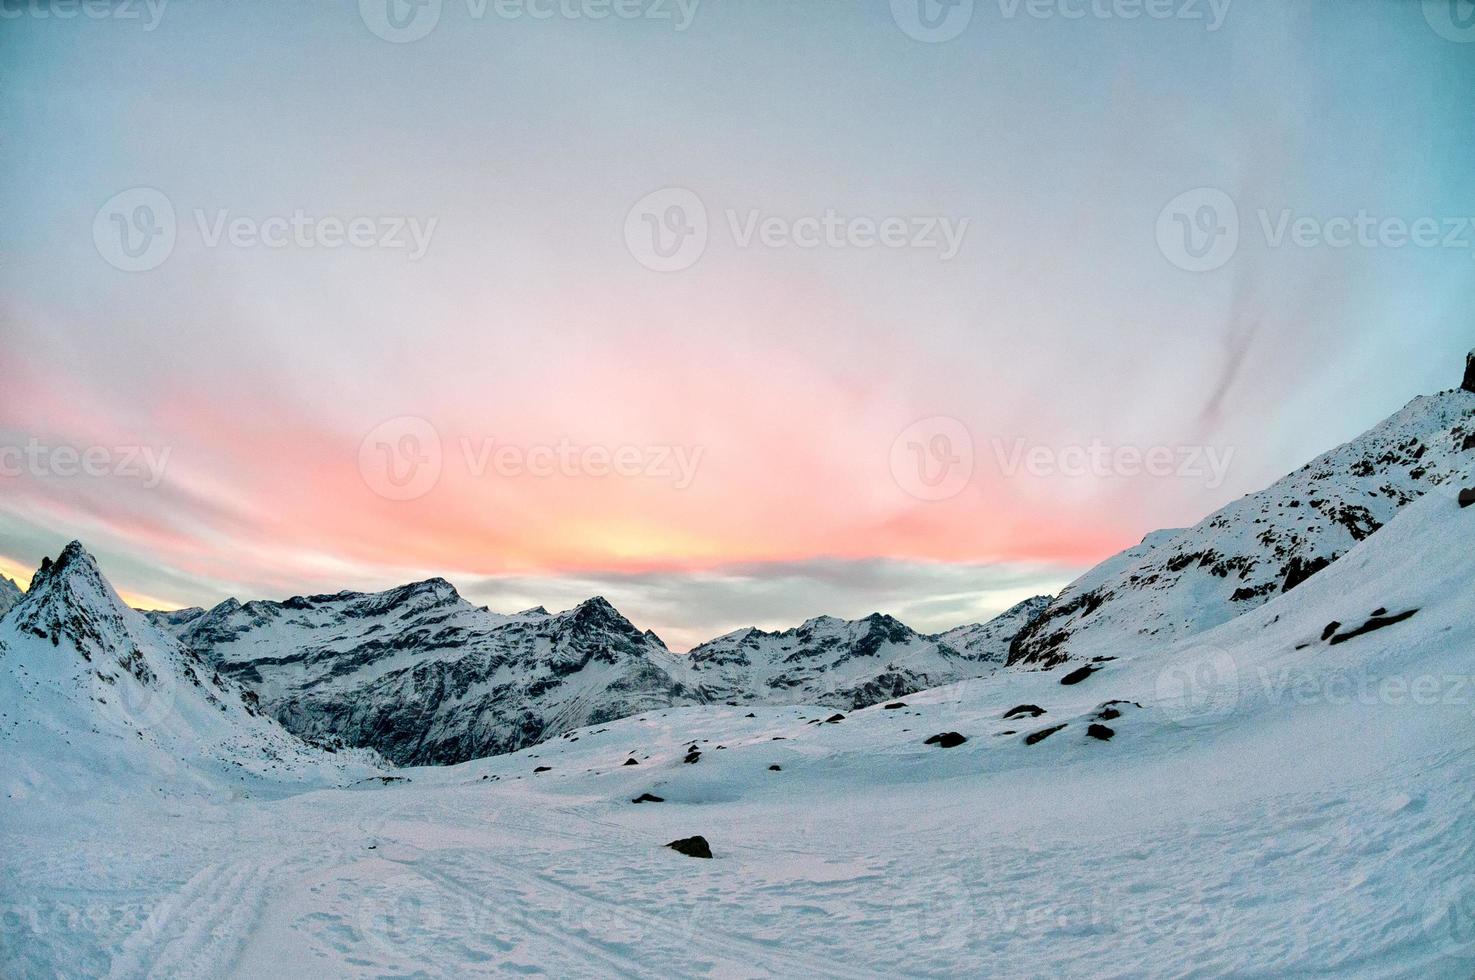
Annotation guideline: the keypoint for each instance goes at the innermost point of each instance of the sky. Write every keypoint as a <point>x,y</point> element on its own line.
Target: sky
<point>735,313</point>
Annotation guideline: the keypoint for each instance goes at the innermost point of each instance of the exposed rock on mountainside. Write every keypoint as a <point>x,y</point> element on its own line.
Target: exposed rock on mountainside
<point>1178,583</point>
<point>426,677</point>
<point>92,690</point>
<point>423,676</point>
<point>848,664</point>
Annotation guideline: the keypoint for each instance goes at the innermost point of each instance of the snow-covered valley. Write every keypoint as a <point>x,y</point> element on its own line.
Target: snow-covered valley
<point>1284,791</point>
<point>1268,802</point>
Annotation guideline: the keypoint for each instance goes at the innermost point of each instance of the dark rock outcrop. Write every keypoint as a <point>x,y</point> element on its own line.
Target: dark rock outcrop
<point>1375,622</point>
<point>1079,674</point>
<point>696,847</point>
<point>1039,736</point>
<point>946,740</point>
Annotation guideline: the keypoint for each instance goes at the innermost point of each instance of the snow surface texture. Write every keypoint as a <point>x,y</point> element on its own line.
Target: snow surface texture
<point>1288,794</point>
<point>1179,583</point>
<point>425,677</point>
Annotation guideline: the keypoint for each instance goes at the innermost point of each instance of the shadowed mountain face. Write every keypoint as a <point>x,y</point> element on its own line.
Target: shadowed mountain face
<point>425,677</point>
<point>1181,582</point>
<point>10,594</point>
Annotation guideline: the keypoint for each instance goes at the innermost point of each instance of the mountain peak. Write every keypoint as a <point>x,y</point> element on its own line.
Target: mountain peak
<point>70,599</point>
<point>75,566</point>
<point>1469,384</point>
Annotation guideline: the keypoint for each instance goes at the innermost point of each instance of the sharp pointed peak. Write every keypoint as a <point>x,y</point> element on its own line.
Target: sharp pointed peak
<point>74,562</point>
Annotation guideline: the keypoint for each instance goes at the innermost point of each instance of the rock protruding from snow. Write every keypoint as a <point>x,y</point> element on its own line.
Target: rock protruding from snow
<point>1181,583</point>
<point>1469,383</point>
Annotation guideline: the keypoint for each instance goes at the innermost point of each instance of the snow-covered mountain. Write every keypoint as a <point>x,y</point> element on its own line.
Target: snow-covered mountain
<point>425,677</point>
<point>989,642</point>
<point>1180,582</point>
<point>1288,794</point>
<point>96,696</point>
<point>849,663</point>
<point>10,595</point>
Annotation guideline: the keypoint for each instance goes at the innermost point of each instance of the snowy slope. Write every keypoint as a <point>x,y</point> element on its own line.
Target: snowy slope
<point>423,676</point>
<point>989,642</point>
<point>1178,583</point>
<point>98,700</point>
<point>10,594</point>
<point>1279,805</point>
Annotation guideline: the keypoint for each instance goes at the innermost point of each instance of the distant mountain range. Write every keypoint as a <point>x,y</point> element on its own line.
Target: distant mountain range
<point>422,676</point>
<point>425,677</point>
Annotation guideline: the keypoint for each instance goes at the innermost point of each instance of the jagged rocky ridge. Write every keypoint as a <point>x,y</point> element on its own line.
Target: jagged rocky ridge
<point>849,664</point>
<point>1180,582</point>
<point>425,677</point>
<point>80,668</point>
